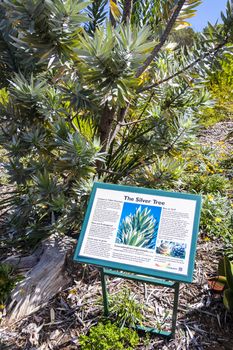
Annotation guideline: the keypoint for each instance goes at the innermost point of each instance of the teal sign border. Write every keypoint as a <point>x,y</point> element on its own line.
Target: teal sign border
<point>138,269</point>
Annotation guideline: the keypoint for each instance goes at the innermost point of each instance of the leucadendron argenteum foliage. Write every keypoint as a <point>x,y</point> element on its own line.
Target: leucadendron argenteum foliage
<point>94,90</point>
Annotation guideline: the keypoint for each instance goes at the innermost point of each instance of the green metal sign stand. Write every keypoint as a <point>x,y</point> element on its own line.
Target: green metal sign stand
<point>155,281</point>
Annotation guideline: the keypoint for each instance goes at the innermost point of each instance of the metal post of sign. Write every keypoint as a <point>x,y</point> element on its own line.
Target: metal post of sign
<point>175,306</point>
<point>105,292</point>
<point>145,279</point>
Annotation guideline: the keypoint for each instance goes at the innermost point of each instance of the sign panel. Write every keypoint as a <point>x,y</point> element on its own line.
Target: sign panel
<point>140,230</point>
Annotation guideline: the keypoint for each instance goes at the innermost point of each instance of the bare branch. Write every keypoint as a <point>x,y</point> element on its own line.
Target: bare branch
<point>128,5</point>
<point>163,38</point>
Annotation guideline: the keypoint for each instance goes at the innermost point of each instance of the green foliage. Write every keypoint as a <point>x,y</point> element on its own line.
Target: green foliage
<point>228,293</point>
<point>97,14</point>
<point>225,277</point>
<point>221,87</point>
<point>110,58</point>
<point>203,171</point>
<point>53,179</point>
<point>228,299</point>
<point>156,13</point>
<point>216,216</point>
<point>46,28</point>
<point>3,96</point>
<point>7,282</point>
<point>138,229</point>
<point>109,337</point>
<point>207,183</point>
<point>228,242</point>
<point>185,37</point>
<point>126,310</point>
<point>165,173</point>
<point>27,92</point>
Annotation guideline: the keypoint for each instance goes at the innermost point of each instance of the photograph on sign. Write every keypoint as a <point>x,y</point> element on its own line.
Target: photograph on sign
<point>138,225</point>
<point>151,230</point>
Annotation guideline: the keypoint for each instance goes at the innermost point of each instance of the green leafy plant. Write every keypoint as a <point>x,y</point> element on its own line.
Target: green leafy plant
<point>125,309</point>
<point>216,216</point>
<point>204,171</point>
<point>220,85</point>
<point>225,280</point>
<point>138,229</point>
<point>109,337</point>
<point>228,292</point>
<point>7,282</point>
<point>228,242</point>
<point>205,183</point>
<point>166,172</point>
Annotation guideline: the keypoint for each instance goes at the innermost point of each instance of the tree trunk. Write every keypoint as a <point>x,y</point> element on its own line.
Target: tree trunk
<point>105,128</point>
<point>46,278</point>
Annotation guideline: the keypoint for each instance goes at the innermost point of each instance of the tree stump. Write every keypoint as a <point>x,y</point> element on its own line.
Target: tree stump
<point>46,277</point>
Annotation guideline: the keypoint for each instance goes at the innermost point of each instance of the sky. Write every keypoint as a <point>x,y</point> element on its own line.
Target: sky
<point>208,11</point>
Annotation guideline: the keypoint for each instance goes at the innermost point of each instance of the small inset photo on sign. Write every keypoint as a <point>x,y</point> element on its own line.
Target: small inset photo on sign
<point>138,225</point>
<point>173,249</point>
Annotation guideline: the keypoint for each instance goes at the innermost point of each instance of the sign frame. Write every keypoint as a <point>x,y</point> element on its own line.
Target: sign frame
<point>139,270</point>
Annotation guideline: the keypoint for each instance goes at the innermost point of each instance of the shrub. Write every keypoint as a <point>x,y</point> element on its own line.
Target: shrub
<point>216,216</point>
<point>206,183</point>
<point>109,337</point>
<point>165,173</point>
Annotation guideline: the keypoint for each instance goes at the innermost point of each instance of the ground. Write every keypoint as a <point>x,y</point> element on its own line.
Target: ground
<point>203,322</point>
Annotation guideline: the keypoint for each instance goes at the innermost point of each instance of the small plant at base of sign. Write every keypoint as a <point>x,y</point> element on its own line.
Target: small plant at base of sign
<point>125,309</point>
<point>109,337</point>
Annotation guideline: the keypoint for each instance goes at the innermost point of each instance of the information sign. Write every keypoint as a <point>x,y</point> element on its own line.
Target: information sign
<point>139,230</point>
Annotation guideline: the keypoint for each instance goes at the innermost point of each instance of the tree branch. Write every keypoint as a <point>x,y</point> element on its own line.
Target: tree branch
<point>128,5</point>
<point>147,62</point>
<point>140,119</point>
<point>134,121</point>
<point>120,119</point>
<point>163,38</point>
<point>192,64</point>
